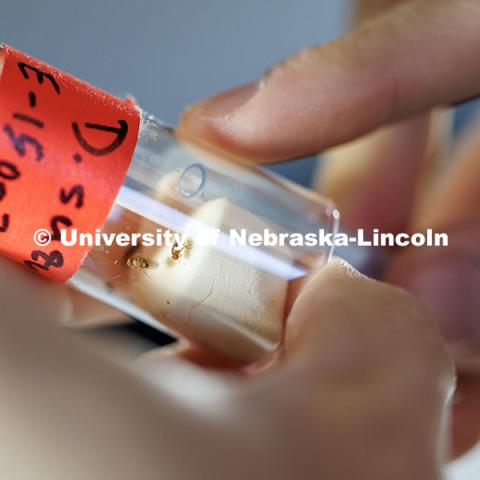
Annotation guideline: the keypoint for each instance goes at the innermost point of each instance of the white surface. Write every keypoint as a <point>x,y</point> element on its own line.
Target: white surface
<point>212,295</point>
<point>466,468</point>
<point>200,282</point>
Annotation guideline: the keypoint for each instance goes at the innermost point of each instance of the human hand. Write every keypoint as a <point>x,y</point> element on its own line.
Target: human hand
<point>362,394</point>
<point>383,79</point>
<point>340,406</point>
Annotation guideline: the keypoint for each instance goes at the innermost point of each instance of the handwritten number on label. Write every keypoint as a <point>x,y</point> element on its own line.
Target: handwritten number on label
<point>20,141</point>
<point>28,119</point>
<point>54,224</point>
<point>52,259</point>
<point>5,223</point>
<point>8,170</point>
<point>121,133</point>
<point>40,75</point>
<point>76,192</point>
<point>32,99</point>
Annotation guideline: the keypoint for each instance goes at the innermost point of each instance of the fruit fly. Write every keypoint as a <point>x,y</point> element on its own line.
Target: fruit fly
<point>176,251</point>
<point>137,262</point>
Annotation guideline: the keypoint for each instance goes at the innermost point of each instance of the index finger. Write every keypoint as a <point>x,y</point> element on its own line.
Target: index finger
<point>409,59</point>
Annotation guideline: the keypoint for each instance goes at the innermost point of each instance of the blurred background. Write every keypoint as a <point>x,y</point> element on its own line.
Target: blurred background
<point>169,53</point>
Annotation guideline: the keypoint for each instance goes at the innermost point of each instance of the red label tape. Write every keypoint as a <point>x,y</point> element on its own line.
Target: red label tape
<point>65,148</point>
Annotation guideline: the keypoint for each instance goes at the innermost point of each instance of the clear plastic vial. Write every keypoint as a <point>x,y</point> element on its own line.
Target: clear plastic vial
<point>227,296</point>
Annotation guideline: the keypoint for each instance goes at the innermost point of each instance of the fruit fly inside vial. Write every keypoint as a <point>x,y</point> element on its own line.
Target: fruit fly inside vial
<point>141,263</point>
<point>227,297</point>
<point>176,251</point>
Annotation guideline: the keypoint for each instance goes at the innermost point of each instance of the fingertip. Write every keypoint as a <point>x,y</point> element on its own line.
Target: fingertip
<point>223,104</point>
<point>347,323</point>
<point>209,121</point>
<point>327,287</point>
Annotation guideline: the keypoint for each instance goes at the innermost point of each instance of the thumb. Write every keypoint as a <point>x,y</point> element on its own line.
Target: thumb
<point>372,361</point>
<point>388,69</point>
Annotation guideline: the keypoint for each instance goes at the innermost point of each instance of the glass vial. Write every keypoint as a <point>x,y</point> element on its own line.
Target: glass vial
<point>219,293</point>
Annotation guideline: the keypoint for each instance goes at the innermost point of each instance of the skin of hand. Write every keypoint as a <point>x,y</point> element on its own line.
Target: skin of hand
<point>375,89</point>
<point>361,393</point>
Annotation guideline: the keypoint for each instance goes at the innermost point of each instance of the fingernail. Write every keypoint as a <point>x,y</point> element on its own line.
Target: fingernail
<point>449,286</point>
<point>225,103</point>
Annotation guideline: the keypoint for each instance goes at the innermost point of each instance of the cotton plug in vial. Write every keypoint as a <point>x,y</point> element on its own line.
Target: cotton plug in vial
<point>232,299</point>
